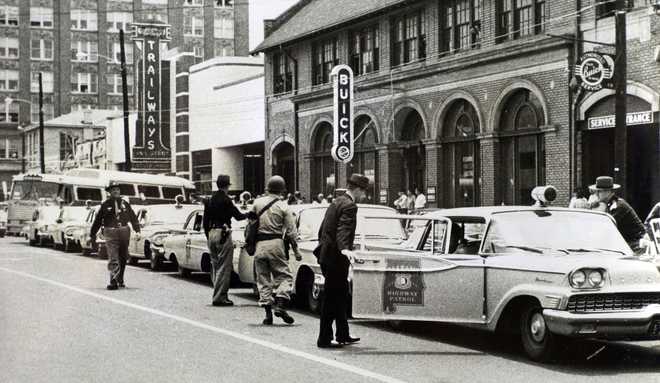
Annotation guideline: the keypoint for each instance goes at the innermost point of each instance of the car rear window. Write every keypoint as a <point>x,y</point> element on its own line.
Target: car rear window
<point>127,189</point>
<point>171,193</point>
<point>85,194</point>
<point>149,191</point>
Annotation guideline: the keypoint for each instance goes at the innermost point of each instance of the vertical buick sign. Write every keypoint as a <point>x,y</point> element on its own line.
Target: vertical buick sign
<point>150,152</point>
<point>342,150</point>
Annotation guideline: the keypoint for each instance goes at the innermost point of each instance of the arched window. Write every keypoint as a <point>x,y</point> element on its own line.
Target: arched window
<point>284,164</point>
<point>324,168</point>
<point>460,149</point>
<point>522,148</point>
<point>410,128</point>
<point>365,160</point>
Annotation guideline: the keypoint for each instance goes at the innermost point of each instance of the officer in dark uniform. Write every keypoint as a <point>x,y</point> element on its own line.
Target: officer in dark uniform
<point>114,216</point>
<point>218,212</point>
<point>337,233</point>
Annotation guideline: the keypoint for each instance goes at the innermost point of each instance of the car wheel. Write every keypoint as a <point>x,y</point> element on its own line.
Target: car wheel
<point>133,261</point>
<point>102,252</point>
<point>539,343</point>
<point>68,246</point>
<point>156,262</point>
<point>255,289</point>
<point>42,242</point>
<point>313,293</point>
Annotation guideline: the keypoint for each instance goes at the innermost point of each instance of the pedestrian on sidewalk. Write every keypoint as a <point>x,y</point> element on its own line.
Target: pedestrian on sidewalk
<point>579,199</point>
<point>337,233</point>
<point>420,201</point>
<point>629,225</point>
<point>271,258</point>
<point>401,203</point>
<point>114,216</point>
<point>218,212</point>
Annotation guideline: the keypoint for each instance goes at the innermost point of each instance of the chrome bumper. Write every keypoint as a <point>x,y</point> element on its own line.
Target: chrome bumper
<point>634,325</point>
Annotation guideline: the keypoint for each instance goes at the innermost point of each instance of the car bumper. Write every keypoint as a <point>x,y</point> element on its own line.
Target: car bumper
<point>629,325</point>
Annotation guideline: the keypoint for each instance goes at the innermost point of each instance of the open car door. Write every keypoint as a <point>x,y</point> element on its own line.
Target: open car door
<point>417,284</point>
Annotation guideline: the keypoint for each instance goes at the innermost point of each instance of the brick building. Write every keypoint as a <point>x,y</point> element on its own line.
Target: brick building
<point>467,100</point>
<point>75,44</point>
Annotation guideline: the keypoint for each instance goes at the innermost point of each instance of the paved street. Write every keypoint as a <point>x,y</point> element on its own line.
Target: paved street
<point>59,324</point>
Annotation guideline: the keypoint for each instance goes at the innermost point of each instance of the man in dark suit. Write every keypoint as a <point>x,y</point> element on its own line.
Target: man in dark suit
<point>337,233</point>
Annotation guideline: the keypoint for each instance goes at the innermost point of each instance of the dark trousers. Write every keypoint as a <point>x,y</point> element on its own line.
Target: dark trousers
<point>116,244</point>
<point>334,303</point>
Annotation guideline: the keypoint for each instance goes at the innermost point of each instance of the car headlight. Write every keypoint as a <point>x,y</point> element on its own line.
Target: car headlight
<point>587,278</point>
<point>158,240</point>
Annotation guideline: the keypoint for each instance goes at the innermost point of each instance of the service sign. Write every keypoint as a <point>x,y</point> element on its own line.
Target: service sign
<point>343,150</point>
<point>632,119</point>
<point>595,71</point>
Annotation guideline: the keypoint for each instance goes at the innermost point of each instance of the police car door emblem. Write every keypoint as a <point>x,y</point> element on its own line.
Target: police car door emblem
<point>402,286</point>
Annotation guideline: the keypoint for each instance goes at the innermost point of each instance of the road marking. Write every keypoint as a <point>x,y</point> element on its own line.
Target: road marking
<point>273,346</point>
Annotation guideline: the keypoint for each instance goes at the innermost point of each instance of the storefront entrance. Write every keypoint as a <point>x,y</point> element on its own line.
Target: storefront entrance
<point>643,188</point>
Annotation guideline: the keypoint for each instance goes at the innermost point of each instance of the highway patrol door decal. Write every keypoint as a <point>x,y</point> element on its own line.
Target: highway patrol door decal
<point>403,284</point>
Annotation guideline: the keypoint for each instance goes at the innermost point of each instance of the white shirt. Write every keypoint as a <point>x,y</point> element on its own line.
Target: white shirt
<point>420,201</point>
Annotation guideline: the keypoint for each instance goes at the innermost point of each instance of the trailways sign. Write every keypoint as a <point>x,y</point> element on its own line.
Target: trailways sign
<point>152,151</point>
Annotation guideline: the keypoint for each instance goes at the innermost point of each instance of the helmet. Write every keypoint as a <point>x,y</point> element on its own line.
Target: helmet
<point>276,185</point>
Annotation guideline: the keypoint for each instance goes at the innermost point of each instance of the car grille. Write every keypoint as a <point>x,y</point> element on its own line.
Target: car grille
<point>611,302</point>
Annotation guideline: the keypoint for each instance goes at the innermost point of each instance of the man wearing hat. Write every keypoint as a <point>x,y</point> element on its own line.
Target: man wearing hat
<point>337,233</point>
<point>627,221</point>
<point>218,212</point>
<point>114,216</point>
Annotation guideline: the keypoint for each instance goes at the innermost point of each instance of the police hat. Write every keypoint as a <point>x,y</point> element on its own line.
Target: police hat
<point>358,180</point>
<point>223,181</point>
<point>112,184</point>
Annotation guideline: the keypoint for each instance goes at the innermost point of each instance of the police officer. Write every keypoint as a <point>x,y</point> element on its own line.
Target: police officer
<point>271,261</point>
<point>114,216</point>
<point>218,212</point>
<point>337,233</point>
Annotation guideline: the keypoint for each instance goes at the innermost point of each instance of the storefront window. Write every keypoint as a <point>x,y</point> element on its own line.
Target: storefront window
<point>522,148</point>
<point>324,169</point>
<point>460,161</point>
<point>201,171</point>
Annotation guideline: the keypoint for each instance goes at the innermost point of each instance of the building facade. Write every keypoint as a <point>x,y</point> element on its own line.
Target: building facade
<point>469,101</point>
<point>75,45</point>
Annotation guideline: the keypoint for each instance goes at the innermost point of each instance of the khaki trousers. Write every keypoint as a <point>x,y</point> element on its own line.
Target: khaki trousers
<point>222,255</point>
<point>273,273</point>
<point>116,244</point>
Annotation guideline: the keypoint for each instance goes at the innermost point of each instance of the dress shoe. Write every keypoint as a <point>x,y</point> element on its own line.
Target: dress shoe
<point>112,286</point>
<point>269,316</point>
<point>121,285</point>
<point>330,344</point>
<point>223,303</point>
<point>348,340</point>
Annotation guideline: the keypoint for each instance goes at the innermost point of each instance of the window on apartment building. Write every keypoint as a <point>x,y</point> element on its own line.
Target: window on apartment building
<point>9,112</point>
<point>114,81</point>
<point>119,20</point>
<point>49,110</point>
<point>85,51</point>
<point>9,147</point>
<point>8,47</point>
<point>198,53</point>
<point>84,82</point>
<point>47,82</point>
<point>605,8</point>
<point>84,20</point>
<point>8,80</point>
<point>193,2</point>
<point>115,52</point>
<point>364,50</point>
<point>159,2</point>
<point>324,57</point>
<point>8,15</point>
<point>224,3</point>
<point>41,17</point>
<point>41,49</point>
<point>282,74</point>
<point>193,26</point>
<point>223,28</point>
<point>460,25</point>
<point>408,37</point>
<point>519,18</point>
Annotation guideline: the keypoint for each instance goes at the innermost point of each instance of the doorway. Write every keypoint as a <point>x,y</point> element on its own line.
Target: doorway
<point>284,164</point>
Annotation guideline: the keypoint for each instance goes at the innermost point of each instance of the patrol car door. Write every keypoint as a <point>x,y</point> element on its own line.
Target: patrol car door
<point>195,242</point>
<point>414,283</point>
<point>137,241</point>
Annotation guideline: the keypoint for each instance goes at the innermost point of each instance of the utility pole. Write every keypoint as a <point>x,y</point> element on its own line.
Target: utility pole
<point>42,156</point>
<point>124,91</point>
<point>620,83</point>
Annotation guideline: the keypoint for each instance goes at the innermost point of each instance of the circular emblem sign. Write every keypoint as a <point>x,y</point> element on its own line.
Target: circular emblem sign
<point>595,71</point>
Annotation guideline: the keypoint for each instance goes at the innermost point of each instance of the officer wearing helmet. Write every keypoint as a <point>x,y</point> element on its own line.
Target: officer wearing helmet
<point>114,216</point>
<point>271,261</point>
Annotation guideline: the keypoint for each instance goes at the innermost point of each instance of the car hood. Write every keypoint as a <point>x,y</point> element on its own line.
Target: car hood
<point>621,269</point>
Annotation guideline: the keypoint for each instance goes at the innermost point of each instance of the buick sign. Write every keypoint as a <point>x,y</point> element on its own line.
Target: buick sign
<point>342,150</point>
<point>595,71</point>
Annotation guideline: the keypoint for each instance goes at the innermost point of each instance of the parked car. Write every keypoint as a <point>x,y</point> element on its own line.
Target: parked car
<point>80,235</point>
<point>545,273</point>
<point>188,246</point>
<point>3,219</point>
<point>37,230</point>
<point>307,277</point>
<point>68,219</point>
<point>156,222</point>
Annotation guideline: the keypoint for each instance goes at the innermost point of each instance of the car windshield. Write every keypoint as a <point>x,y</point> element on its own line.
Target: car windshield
<point>35,190</point>
<point>170,215</point>
<point>556,232</point>
<point>311,219</point>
